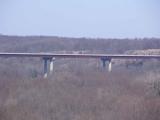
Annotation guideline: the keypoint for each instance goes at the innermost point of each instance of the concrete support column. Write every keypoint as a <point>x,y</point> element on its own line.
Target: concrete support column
<point>51,66</point>
<point>104,62</point>
<point>110,66</point>
<point>45,68</point>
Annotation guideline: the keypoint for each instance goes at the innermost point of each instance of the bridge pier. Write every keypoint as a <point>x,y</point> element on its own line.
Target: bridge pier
<point>45,68</point>
<point>51,66</point>
<point>104,63</point>
<point>104,60</point>
<point>110,66</point>
<point>51,60</point>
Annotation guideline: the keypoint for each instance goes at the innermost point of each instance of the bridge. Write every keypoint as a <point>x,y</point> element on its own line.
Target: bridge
<point>51,58</point>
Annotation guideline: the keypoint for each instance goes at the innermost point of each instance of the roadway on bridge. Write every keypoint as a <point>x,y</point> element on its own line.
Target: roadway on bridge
<point>110,56</point>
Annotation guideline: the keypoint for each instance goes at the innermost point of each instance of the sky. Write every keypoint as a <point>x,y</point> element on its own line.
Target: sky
<point>81,18</point>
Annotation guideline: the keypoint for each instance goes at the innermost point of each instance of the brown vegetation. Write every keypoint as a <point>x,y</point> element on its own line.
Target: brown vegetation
<point>78,89</point>
<point>81,95</point>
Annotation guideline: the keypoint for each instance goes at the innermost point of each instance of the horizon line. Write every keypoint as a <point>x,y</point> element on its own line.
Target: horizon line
<point>84,37</point>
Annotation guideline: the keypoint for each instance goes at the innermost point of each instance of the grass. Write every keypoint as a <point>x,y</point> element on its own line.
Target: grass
<point>80,94</point>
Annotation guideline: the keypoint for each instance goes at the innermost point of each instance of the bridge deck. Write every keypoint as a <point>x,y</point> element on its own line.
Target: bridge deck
<point>110,56</point>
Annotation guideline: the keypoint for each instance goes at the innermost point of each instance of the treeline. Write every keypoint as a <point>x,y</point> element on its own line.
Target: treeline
<point>49,44</point>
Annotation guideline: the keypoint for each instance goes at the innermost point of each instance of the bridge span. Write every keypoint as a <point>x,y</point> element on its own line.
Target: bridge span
<point>51,58</point>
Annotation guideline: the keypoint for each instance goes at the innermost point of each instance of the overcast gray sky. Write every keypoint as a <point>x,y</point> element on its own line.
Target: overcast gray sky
<point>81,18</point>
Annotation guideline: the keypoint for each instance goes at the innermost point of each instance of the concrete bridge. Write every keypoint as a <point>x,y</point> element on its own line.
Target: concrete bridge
<point>50,57</point>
